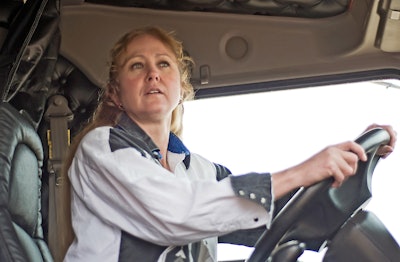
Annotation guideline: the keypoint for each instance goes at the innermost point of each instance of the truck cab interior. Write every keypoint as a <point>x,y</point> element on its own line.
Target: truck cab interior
<point>53,64</point>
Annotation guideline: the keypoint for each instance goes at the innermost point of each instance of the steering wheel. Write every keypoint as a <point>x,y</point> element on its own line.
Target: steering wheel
<point>314,214</point>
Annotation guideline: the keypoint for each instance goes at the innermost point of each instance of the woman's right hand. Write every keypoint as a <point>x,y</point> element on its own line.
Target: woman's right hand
<point>337,161</point>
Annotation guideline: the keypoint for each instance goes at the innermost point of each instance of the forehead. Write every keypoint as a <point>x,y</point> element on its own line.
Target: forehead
<point>148,44</point>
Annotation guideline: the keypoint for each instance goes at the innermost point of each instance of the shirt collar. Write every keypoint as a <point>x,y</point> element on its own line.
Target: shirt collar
<point>175,145</point>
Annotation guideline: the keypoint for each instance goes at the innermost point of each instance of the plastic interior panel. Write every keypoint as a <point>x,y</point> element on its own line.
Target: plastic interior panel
<point>89,31</point>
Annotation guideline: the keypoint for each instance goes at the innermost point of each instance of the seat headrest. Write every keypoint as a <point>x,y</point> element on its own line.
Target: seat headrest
<point>20,168</point>
<point>81,93</point>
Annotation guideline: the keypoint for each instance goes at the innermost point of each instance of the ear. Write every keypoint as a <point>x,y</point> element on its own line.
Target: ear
<point>113,96</point>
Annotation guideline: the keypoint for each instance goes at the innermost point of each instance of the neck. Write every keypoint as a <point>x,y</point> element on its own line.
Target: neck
<point>159,133</point>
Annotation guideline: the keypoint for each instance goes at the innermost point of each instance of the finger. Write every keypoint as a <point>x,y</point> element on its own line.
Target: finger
<point>349,167</point>
<point>354,148</point>
<point>334,169</point>
<point>336,184</point>
<point>393,136</point>
<point>384,151</point>
<point>339,178</point>
<point>344,166</point>
<point>390,130</point>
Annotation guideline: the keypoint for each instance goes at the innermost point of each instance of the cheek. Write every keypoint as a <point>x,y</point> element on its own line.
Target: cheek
<point>177,83</point>
<point>177,90</point>
<point>127,86</point>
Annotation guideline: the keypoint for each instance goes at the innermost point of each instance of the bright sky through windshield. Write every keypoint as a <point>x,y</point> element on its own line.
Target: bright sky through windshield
<point>275,130</point>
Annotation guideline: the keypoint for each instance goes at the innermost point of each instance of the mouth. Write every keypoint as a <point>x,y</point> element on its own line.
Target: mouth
<point>154,91</point>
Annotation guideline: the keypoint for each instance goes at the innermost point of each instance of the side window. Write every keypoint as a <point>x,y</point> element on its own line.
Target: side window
<point>274,130</point>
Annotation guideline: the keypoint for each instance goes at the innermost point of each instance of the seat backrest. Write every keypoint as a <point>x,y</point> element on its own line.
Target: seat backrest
<point>21,160</point>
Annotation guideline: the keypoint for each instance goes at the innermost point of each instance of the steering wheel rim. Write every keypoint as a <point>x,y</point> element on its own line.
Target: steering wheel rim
<point>285,225</point>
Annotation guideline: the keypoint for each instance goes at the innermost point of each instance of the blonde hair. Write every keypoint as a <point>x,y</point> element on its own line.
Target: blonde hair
<point>108,113</point>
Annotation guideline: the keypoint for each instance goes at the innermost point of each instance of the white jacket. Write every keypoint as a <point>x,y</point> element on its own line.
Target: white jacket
<point>118,187</point>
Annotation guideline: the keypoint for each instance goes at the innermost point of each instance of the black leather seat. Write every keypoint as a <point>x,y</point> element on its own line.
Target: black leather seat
<point>21,160</point>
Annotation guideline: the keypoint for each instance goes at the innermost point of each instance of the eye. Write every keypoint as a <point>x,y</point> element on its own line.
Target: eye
<point>136,66</point>
<point>164,64</point>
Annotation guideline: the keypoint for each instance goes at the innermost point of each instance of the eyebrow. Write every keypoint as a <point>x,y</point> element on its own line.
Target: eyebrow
<point>141,56</point>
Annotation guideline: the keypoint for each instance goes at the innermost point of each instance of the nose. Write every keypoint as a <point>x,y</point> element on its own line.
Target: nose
<point>153,75</point>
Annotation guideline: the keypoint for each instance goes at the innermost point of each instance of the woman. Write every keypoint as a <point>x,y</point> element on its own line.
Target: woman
<point>138,194</point>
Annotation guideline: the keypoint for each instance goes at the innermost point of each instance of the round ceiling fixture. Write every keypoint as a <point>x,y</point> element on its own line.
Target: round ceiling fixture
<point>236,47</point>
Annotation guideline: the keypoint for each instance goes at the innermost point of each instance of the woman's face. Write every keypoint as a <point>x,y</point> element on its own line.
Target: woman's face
<point>149,80</point>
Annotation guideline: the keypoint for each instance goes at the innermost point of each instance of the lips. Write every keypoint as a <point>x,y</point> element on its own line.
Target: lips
<point>151,90</point>
<point>154,92</point>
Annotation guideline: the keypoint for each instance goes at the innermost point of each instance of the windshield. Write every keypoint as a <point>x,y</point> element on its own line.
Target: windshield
<point>274,130</point>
